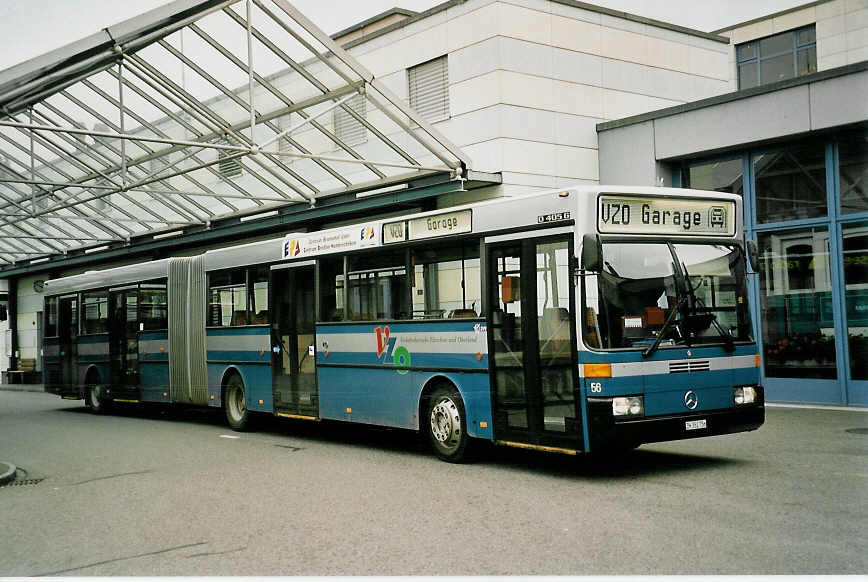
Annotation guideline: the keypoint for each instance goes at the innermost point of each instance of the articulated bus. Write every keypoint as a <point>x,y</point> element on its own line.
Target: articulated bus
<point>580,320</point>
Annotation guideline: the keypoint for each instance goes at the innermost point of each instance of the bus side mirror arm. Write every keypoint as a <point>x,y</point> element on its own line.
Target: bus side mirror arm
<point>592,253</point>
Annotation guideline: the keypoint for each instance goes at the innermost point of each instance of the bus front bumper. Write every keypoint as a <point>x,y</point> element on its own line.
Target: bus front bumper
<point>607,431</point>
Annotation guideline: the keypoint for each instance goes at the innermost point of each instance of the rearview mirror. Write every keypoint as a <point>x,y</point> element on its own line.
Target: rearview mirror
<point>592,253</point>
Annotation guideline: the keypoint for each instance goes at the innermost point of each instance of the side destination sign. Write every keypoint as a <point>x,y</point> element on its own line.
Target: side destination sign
<point>429,226</point>
<point>674,216</point>
<point>331,241</point>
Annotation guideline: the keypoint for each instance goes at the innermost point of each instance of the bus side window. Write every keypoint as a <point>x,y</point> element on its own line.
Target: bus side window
<point>95,307</point>
<point>153,306</point>
<point>258,295</point>
<point>228,298</point>
<point>377,287</point>
<point>331,300</point>
<point>446,282</point>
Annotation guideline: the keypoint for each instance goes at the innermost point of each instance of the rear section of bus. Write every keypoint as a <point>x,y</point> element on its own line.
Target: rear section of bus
<point>667,347</point>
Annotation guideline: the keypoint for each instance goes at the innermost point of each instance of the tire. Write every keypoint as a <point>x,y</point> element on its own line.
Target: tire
<point>95,400</point>
<point>446,425</point>
<point>235,404</point>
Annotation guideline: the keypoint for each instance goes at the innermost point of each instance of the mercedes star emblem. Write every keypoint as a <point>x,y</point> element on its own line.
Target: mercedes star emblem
<point>691,400</point>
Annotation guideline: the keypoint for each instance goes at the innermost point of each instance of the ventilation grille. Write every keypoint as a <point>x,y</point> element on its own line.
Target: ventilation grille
<point>689,366</point>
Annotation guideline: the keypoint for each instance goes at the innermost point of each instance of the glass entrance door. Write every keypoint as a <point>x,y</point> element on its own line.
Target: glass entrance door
<point>532,325</point>
<point>292,337</point>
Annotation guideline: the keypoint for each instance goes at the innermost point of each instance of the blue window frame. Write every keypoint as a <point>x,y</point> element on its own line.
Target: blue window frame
<point>777,57</point>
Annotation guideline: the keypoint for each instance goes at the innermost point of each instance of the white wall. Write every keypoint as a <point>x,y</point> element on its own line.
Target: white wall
<point>530,79</point>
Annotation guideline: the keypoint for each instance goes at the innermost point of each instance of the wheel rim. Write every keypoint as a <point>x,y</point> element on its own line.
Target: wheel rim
<point>446,424</point>
<point>236,403</point>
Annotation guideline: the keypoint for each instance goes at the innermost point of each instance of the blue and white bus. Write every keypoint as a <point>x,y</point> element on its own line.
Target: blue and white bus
<point>572,321</point>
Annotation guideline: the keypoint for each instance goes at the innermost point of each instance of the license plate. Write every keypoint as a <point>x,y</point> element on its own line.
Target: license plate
<point>696,424</point>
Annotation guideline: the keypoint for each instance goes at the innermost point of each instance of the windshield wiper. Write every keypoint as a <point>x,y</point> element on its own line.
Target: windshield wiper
<point>728,340</point>
<point>666,325</point>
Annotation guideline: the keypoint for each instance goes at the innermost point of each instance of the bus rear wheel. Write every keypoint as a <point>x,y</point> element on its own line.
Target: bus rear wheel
<point>235,404</point>
<point>95,400</point>
<point>447,425</point>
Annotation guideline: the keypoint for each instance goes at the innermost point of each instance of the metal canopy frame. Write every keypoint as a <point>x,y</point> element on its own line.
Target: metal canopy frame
<point>189,114</point>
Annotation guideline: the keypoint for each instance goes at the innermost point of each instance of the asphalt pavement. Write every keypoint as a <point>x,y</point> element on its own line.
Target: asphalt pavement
<point>153,491</point>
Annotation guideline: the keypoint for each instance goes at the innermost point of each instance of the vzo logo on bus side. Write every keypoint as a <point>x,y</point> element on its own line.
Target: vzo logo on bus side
<point>386,348</point>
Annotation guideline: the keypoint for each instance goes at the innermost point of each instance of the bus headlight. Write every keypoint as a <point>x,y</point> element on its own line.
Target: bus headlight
<point>744,395</point>
<point>628,406</point>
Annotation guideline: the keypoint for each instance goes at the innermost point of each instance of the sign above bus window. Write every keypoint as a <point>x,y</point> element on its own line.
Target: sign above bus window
<point>394,232</point>
<point>672,216</point>
<point>331,241</point>
<point>440,225</point>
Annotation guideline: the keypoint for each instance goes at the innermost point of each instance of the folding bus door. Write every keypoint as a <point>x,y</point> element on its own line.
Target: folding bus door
<point>67,331</point>
<point>292,340</point>
<point>124,343</point>
<point>532,335</point>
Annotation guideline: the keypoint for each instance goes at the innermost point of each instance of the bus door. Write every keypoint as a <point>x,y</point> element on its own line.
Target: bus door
<point>532,335</point>
<point>292,340</point>
<point>67,331</point>
<point>124,341</point>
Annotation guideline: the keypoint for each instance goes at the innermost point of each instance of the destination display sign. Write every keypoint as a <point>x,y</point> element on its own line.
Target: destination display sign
<point>618,214</point>
<point>331,241</point>
<point>440,225</point>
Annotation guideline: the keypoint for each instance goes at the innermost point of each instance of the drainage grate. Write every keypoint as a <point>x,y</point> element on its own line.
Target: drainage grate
<point>21,479</point>
<point>857,430</point>
<point>23,482</point>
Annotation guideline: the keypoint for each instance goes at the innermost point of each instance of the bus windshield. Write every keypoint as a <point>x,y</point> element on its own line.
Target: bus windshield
<point>652,295</point>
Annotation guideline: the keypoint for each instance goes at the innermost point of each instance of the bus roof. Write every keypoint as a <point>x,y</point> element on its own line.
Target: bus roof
<point>526,210</point>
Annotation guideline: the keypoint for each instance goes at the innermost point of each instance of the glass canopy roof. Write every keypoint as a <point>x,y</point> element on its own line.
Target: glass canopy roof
<point>192,112</point>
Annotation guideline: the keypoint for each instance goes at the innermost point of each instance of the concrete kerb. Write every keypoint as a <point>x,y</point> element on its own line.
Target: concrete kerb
<point>7,472</point>
<point>23,387</point>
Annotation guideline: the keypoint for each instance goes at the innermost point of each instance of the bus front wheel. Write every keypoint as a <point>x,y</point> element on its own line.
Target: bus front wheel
<point>235,404</point>
<point>447,425</point>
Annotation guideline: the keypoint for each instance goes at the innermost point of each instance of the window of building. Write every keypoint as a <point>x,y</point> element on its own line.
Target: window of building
<point>778,57</point>
<point>348,128</point>
<point>855,255</point>
<point>429,89</point>
<point>284,143</point>
<point>228,298</point>
<point>718,175</point>
<point>446,282</point>
<point>95,304</point>
<point>790,183</point>
<point>796,304</point>
<point>853,173</point>
<point>154,307</point>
